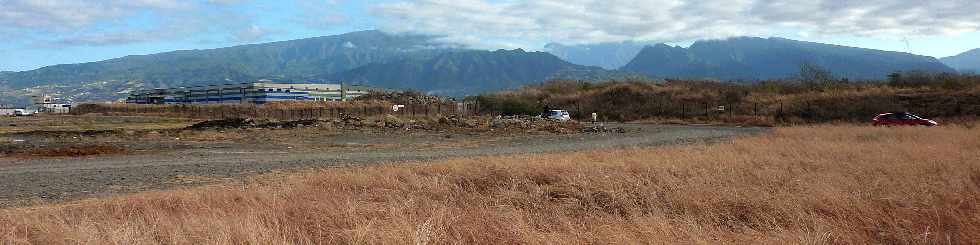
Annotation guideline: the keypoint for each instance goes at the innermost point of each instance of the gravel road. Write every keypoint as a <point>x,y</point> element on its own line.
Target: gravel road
<point>25,182</point>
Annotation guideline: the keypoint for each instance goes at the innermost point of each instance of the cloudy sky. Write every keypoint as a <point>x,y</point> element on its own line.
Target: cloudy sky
<point>36,33</point>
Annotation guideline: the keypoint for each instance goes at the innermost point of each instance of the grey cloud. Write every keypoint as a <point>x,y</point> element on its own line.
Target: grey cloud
<point>479,22</point>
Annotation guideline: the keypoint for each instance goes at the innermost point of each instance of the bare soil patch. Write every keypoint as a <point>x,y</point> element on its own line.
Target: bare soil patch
<point>77,165</point>
<point>65,151</point>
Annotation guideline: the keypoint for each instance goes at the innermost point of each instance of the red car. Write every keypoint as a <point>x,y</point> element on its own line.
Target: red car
<point>902,119</point>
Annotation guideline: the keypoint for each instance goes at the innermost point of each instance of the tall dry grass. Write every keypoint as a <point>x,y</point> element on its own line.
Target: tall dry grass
<point>806,185</point>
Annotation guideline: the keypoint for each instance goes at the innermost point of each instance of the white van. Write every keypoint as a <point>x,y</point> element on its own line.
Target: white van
<point>558,115</point>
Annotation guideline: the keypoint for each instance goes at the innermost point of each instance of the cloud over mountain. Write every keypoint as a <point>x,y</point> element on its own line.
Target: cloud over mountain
<point>484,22</point>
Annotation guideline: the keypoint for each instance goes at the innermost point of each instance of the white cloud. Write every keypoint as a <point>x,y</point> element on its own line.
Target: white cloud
<point>71,15</point>
<point>60,23</point>
<point>253,33</point>
<point>484,23</point>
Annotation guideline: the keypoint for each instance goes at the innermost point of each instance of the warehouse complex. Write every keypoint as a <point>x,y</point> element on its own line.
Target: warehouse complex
<point>258,93</point>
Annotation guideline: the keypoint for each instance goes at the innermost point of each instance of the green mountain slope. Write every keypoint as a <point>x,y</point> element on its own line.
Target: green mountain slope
<point>968,61</point>
<point>748,58</point>
<point>472,72</point>
<point>296,58</point>
<point>286,61</point>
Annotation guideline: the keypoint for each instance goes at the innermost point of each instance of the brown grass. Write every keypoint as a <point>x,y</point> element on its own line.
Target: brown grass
<point>70,151</point>
<point>806,185</point>
<point>71,123</point>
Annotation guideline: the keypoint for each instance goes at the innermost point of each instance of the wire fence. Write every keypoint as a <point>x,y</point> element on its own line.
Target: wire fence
<point>793,110</point>
<point>284,112</point>
<point>803,111</point>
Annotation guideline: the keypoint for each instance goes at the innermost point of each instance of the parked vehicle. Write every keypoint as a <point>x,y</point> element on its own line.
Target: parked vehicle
<point>902,119</point>
<point>558,115</point>
<point>22,112</point>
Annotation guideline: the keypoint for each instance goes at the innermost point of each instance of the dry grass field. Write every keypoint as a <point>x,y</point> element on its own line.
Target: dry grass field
<point>67,123</point>
<point>800,185</point>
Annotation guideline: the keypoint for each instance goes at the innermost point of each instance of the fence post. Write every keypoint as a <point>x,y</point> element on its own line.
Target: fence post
<point>731,112</point>
<point>707,109</point>
<point>683,110</point>
<point>660,108</point>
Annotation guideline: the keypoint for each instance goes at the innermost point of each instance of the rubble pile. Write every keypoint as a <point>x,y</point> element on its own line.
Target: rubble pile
<point>291,124</point>
<point>532,124</point>
<point>457,121</point>
<point>389,121</point>
<point>403,97</point>
<point>223,124</point>
<point>600,129</point>
<point>452,123</point>
<point>350,120</point>
<point>346,121</point>
<point>521,122</point>
<point>241,123</point>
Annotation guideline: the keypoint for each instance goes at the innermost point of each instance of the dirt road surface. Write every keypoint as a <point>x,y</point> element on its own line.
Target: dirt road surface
<point>33,181</point>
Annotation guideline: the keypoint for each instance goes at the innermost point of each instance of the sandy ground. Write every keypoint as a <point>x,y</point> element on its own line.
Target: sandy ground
<point>35,181</point>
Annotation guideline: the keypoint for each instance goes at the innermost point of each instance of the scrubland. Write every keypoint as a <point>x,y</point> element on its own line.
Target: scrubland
<point>763,103</point>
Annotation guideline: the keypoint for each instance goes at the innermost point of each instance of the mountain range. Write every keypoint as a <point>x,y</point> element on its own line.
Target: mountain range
<point>751,58</point>
<point>421,62</point>
<point>285,60</point>
<point>470,72</point>
<point>374,58</point>
<point>968,61</point>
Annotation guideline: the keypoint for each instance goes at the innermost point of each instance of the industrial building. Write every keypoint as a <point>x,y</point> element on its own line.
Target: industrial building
<point>47,104</point>
<point>258,93</point>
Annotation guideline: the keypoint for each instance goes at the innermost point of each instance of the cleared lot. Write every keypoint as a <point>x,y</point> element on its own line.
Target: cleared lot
<point>221,156</point>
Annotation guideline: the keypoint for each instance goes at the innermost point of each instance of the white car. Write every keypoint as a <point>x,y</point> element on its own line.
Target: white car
<point>558,115</point>
<point>22,112</point>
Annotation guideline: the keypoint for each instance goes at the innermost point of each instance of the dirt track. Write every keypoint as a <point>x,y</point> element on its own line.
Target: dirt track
<point>52,180</point>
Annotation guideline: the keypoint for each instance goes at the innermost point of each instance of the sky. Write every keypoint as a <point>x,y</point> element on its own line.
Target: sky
<point>37,33</point>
